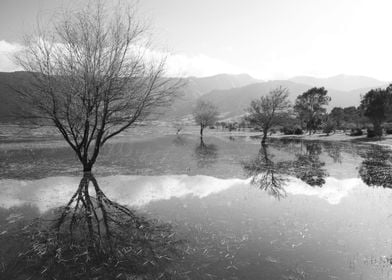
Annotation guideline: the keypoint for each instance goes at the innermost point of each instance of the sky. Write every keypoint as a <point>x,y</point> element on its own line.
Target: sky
<point>268,39</point>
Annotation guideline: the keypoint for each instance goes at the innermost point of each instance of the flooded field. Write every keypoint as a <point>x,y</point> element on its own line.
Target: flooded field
<point>290,210</point>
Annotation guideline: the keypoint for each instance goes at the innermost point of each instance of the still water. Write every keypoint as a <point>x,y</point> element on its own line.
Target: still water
<point>291,210</point>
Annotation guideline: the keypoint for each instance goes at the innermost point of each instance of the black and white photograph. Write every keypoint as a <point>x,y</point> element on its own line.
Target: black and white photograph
<point>195,139</point>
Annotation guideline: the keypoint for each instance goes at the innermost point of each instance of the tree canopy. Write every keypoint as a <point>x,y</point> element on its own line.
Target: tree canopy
<point>269,110</point>
<point>377,106</point>
<point>310,107</point>
<point>205,114</point>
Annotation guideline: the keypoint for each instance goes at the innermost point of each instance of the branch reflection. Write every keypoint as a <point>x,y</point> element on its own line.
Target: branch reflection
<point>266,174</point>
<point>91,236</point>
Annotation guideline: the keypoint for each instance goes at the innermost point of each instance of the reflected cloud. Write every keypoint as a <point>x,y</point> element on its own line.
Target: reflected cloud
<point>333,191</point>
<point>134,191</point>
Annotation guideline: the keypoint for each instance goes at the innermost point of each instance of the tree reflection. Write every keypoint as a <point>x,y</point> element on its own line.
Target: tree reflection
<point>334,151</point>
<point>308,167</point>
<point>206,154</point>
<point>179,140</point>
<point>93,237</point>
<point>266,174</point>
<point>271,176</point>
<point>376,168</point>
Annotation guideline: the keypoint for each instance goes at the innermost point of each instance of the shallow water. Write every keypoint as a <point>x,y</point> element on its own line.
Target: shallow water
<point>295,210</point>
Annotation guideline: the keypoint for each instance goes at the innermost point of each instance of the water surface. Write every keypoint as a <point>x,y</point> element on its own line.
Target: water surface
<point>294,210</point>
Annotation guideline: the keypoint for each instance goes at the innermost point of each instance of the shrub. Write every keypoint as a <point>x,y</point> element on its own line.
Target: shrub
<point>371,133</point>
<point>356,132</point>
<point>298,131</point>
<point>328,128</point>
<point>291,130</point>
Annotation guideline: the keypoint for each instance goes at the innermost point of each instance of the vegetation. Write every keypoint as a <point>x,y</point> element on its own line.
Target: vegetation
<point>205,114</point>
<point>269,110</point>
<point>91,78</point>
<point>92,81</point>
<point>377,106</point>
<point>310,108</point>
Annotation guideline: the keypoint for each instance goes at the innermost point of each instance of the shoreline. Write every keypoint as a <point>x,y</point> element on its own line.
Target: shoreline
<point>385,140</point>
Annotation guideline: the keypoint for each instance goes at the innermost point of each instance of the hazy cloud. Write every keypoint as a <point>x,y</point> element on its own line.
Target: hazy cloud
<point>6,51</point>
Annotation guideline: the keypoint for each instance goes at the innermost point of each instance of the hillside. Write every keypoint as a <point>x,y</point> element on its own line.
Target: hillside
<point>9,104</point>
<point>231,93</point>
<point>340,82</point>
<point>234,101</point>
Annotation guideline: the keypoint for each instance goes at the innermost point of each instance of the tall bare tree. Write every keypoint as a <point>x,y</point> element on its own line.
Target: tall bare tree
<point>93,77</point>
<point>269,110</point>
<point>205,114</point>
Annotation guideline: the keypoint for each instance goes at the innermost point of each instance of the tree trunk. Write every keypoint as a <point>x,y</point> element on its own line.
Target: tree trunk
<point>265,131</point>
<point>201,131</point>
<point>87,167</point>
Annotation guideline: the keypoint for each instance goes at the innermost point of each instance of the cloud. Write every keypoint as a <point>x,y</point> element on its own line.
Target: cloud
<point>182,65</point>
<point>137,191</point>
<point>199,65</point>
<point>177,65</point>
<point>6,51</point>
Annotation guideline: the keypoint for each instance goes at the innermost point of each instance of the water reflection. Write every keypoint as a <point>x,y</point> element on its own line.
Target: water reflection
<point>308,166</point>
<point>376,168</point>
<point>206,154</point>
<point>266,174</point>
<point>91,236</point>
<point>179,140</point>
<point>334,151</point>
<point>271,176</point>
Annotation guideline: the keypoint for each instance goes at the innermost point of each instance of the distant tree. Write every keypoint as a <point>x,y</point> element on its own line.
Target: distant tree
<point>205,114</point>
<point>337,116</point>
<point>178,126</point>
<point>329,126</point>
<point>310,109</point>
<point>269,110</point>
<point>377,107</point>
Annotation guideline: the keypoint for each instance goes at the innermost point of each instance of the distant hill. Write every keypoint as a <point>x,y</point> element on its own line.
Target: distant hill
<point>193,89</point>
<point>197,87</point>
<point>231,93</point>
<point>9,104</point>
<point>201,86</point>
<point>340,82</point>
<point>233,102</point>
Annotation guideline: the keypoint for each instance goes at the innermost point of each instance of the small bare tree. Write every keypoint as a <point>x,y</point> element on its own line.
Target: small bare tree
<point>269,110</point>
<point>205,114</point>
<point>93,77</point>
<point>178,125</point>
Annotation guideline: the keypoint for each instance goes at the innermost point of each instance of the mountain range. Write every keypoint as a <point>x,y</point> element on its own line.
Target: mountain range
<point>231,93</point>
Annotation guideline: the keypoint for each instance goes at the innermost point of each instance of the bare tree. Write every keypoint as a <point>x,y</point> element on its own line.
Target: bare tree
<point>205,114</point>
<point>93,77</point>
<point>269,110</point>
<point>178,125</point>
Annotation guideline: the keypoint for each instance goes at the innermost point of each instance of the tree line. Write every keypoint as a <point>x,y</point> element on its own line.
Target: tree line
<point>307,114</point>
